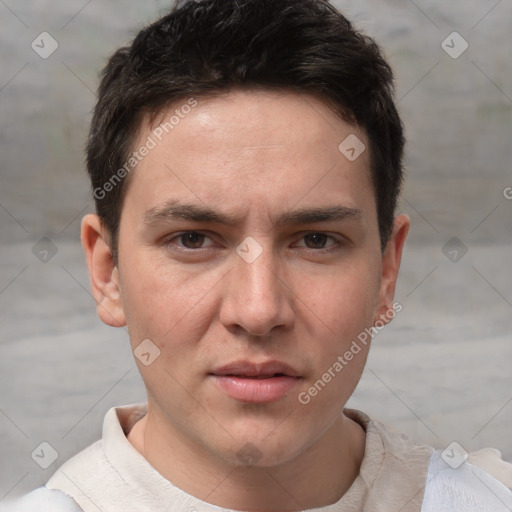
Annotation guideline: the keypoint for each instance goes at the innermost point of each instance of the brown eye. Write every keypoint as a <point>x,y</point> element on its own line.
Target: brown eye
<point>192,240</point>
<point>316,240</point>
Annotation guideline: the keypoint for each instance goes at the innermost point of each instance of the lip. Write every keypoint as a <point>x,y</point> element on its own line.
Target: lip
<point>256,382</point>
<point>249,369</point>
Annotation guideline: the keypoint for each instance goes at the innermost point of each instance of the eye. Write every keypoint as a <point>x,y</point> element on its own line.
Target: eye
<point>318,241</point>
<point>194,240</point>
<point>188,240</point>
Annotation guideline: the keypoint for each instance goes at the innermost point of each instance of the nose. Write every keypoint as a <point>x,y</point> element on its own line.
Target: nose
<point>256,296</point>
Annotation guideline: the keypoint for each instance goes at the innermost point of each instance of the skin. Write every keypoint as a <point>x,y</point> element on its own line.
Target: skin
<point>253,155</point>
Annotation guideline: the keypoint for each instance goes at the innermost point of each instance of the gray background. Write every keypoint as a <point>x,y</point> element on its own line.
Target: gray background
<point>440,372</point>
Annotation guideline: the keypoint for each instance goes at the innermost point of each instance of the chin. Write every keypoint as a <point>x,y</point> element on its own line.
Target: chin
<point>262,447</point>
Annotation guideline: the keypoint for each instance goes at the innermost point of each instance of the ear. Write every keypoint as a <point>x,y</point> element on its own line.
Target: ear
<point>103,273</point>
<point>390,265</point>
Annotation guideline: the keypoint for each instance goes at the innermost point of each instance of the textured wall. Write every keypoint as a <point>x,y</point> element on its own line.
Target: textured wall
<point>440,372</point>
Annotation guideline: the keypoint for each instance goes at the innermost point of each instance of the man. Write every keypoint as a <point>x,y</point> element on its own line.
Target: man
<point>245,158</point>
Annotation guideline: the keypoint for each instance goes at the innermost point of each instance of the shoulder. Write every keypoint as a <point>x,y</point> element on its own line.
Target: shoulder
<point>88,468</point>
<point>456,481</point>
<point>468,485</point>
<point>42,500</point>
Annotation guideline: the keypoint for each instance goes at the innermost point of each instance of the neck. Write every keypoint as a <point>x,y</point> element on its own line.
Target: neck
<point>317,477</point>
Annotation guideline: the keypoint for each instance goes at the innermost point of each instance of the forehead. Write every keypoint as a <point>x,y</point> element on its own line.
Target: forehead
<point>250,147</point>
<point>239,117</point>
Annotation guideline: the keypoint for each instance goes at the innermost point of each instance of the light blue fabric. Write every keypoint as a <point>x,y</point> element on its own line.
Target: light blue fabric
<point>465,489</point>
<point>41,500</point>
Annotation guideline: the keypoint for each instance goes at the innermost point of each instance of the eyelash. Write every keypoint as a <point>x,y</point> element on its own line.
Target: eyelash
<point>336,245</point>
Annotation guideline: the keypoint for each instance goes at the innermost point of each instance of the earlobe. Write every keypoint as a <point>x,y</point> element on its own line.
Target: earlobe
<point>391,260</point>
<point>103,273</point>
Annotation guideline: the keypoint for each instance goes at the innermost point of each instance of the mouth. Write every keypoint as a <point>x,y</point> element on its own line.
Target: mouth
<point>256,382</point>
<point>258,377</point>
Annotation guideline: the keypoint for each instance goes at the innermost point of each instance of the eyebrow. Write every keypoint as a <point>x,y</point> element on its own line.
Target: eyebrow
<point>176,210</point>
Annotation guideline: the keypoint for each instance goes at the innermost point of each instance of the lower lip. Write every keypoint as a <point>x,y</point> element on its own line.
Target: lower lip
<point>256,390</point>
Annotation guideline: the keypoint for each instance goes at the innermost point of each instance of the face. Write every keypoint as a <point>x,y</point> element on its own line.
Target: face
<point>249,256</point>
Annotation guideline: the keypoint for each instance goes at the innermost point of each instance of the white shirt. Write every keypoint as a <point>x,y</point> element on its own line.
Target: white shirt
<point>396,474</point>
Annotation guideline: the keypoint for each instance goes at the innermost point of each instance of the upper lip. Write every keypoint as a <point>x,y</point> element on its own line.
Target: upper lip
<point>250,369</point>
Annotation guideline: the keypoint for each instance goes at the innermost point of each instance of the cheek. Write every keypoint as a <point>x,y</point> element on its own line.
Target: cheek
<point>159,300</point>
<point>343,301</point>
<point>342,311</point>
<point>173,311</point>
